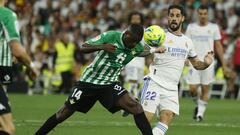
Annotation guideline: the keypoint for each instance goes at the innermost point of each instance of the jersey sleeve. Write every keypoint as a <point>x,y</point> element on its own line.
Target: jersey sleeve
<point>217,34</point>
<point>139,49</point>
<point>11,27</point>
<point>192,53</point>
<point>100,39</point>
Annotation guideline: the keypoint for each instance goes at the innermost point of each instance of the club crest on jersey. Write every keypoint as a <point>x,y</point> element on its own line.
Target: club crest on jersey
<point>170,41</point>
<point>134,52</point>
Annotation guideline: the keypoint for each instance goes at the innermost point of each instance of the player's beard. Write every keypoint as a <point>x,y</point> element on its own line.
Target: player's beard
<point>174,26</point>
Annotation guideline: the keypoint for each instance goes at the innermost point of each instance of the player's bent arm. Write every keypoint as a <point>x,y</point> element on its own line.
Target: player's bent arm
<point>87,48</point>
<point>20,53</point>
<point>198,64</point>
<point>147,51</point>
<point>219,51</point>
<point>201,65</point>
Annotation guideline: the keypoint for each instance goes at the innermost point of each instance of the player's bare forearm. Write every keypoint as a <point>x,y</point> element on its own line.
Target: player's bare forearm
<point>219,51</point>
<point>200,65</point>
<point>147,51</point>
<point>20,53</point>
<point>86,48</point>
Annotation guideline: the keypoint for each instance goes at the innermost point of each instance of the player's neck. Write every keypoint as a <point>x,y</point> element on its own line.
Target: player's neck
<point>203,23</point>
<point>177,32</point>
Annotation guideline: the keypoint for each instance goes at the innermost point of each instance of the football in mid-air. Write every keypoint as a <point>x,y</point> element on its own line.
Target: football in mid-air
<point>154,35</point>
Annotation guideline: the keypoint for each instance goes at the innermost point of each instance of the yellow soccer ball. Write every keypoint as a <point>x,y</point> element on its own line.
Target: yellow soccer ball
<point>154,36</point>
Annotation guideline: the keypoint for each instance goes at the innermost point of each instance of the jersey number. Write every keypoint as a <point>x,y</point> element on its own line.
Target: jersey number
<point>121,57</point>
<point>77,93</point>
<point>151,95</point>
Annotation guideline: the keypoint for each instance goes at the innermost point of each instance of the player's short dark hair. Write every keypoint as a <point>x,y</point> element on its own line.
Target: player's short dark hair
<point>136,31</point>
<point>135,13</point>
<point>203,7</point>
<point>177,7</point>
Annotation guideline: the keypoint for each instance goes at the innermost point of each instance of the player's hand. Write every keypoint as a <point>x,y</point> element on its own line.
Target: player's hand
<point>32,73</point>
<point>208,59</point>
<point>160,49</point>
<point>109,48</point>
<point>226,72</point>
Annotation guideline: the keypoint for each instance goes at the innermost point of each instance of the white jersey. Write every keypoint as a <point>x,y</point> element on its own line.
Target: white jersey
<point>167,67</point>
<point>135,69</point>
<point>203,37</point>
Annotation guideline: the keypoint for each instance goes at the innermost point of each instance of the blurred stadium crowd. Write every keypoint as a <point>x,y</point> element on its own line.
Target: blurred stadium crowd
<point>44,23</point>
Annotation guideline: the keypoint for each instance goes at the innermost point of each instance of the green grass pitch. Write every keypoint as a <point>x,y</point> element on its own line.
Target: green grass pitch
<point>222,118</point>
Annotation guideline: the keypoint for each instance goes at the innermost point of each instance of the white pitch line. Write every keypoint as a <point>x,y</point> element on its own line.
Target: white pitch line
<point>121,124</point>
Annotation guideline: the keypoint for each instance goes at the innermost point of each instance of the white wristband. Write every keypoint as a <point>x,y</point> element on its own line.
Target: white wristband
<point>152,50</point>
<point>32,65</point>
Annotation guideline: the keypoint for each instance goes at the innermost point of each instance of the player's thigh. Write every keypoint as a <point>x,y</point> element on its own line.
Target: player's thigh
<point>4,102</point>
<point>129,104</point>
<point>114,97</point>
<point>82,98</point>
<point>169,101</point>
<point>6,123</point>
<point>193,76</point>
<point>150,96</point>
<point>207,75</point>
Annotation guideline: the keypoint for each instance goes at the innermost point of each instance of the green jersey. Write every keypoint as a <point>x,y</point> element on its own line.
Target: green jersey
<point>8,31</point>
<point>106,67</point>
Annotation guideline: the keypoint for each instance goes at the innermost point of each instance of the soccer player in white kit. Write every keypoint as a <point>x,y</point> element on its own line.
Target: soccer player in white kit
<point>204,35</point>
<point>160,91</point>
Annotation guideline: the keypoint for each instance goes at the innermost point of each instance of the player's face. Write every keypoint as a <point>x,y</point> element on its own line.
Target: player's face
<point>203,15</point>
<point>136,19</point>
<point>128,40</point>
<point>175,19</point>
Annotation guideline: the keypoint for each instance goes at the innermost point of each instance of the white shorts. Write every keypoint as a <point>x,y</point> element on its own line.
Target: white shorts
<point>204,77</point>
<point>156,98</point>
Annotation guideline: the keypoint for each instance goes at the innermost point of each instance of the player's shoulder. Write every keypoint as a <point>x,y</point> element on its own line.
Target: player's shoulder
<point>112,32</point>
<point>212,25</point>
<point>186,38</point>
<point>192,25</point>
<point>6,11</point>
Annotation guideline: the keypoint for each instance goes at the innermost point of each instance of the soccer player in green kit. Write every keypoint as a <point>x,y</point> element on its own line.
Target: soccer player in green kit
<point>9,45</point>
<point>100,79</point>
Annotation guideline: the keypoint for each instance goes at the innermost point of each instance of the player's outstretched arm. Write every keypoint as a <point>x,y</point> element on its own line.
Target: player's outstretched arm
<point>201,65</point>
<point>86,48</point>
<point>147,50</point>
<point>20,53</point>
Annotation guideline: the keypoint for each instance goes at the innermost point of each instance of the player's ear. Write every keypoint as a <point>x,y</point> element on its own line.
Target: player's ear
<point>183,18</point>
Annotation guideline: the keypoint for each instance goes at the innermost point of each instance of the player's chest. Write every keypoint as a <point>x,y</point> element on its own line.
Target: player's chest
<point>175,49</point>
<point>202,34</point>
<point>121,56</point>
